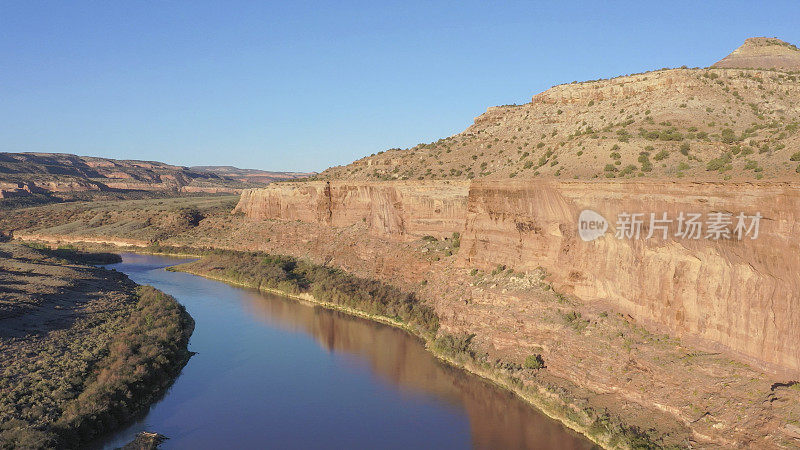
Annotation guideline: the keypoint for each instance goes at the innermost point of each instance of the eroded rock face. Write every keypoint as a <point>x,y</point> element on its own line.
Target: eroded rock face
<point>400,209</point>
<point>740,295</point>
<point>743,295</point>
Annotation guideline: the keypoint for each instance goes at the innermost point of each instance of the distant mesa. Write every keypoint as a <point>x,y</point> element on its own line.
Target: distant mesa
<point>763,53</point>
<point>30,178</point>
<point>251,175</point>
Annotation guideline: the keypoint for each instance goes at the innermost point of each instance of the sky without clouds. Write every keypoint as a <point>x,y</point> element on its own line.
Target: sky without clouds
<point>303,86</point>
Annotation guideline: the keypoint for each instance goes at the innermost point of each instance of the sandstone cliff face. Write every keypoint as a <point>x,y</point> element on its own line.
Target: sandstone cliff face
<point>741,295</point>
<point>400,209</point>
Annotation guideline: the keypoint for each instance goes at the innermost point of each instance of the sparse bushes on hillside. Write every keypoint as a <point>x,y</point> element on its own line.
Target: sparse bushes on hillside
<point>455,240</point>
<point>720,164</point>
<point>728,136</point>
<point>644,160</point>
<point>629,169</point>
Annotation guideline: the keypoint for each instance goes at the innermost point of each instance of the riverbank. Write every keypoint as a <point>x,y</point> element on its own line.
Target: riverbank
<point>456,351</point>
<point>84,349</point>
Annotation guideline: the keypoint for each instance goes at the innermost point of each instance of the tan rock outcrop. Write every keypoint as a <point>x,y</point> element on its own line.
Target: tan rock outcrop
<point>743,295</point>
<point>740,295</point>
<point>763,53</point>
<point>401,209</point>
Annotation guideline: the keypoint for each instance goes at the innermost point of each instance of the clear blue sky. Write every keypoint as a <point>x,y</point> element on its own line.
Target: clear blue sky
<point>302,86</point>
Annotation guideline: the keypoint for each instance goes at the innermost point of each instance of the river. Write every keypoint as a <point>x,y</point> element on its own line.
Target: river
<point>271,372</point>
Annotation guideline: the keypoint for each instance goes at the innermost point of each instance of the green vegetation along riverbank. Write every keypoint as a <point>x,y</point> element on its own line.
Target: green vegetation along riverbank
<point>336,289</point>
<point>82,349</point>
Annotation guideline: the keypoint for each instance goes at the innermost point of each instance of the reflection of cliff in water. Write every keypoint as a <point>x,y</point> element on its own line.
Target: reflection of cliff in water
<point>498,418</point>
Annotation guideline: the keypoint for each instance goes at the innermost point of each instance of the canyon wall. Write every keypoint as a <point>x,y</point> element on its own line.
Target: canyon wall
<point>743,295</point>
<point>399,209</point>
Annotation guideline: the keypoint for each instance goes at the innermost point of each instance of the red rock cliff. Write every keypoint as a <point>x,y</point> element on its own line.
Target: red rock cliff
<point>741,295</point>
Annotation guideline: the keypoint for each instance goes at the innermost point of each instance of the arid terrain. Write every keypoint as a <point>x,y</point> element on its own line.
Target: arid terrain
<point>719,123</point>
<point>683,343</point>
<point>30,178</point>
<point>252,176</point>
<point>82,349</point>
<point>598,360</point>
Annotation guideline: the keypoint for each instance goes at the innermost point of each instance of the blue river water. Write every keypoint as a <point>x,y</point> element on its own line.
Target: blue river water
<point>271,372</point>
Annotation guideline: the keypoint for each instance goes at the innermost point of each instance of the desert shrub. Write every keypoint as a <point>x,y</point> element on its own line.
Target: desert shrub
<point>143,357</point>
<point>644,160</point>
<point>728,136</point>
<point>719,164</point>
<point>795,157</point>
<point>456,239</point>
<point>627,170</point>
<point>455,344</point>
<point>534,362</point>
<point>575,320</point>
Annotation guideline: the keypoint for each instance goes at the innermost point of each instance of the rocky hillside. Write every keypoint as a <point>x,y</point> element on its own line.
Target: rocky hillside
<point>715,123</point>
<point>251,175</point>
<point>765,53</point>
<point>59,176</point>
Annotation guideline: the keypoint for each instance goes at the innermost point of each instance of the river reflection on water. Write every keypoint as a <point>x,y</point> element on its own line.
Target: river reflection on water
<point>273,372</point>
